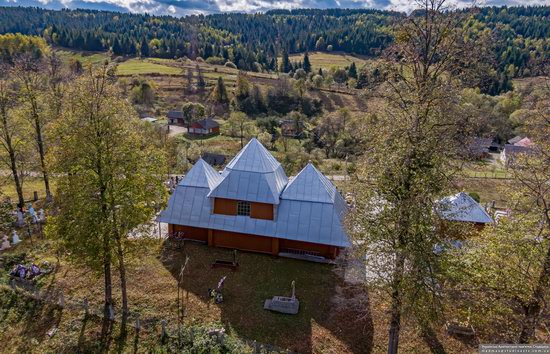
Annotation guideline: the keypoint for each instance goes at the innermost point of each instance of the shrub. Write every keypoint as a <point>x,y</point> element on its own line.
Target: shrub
<point>215,60</point>
<point>230,65</point>
<point>8,261</point>
<point>475,196</point>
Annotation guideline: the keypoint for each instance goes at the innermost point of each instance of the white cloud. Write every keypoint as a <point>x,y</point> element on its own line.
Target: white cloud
<point>187,7</point>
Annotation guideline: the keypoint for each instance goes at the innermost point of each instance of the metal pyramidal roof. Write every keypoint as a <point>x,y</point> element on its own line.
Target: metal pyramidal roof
<point>310,185</point>
<point>462,207</point>
<point>201,175</point>
<point>253,175</point>
<point>254,157</point>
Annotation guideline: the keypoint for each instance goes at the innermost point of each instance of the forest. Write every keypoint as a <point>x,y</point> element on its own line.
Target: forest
<point>515,40</point>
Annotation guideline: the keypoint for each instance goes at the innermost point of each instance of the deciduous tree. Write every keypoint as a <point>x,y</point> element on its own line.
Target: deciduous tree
<point>110,178</point>
<point>410,149</point>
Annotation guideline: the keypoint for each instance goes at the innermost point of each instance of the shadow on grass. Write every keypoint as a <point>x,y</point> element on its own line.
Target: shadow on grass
<point>260,277</point>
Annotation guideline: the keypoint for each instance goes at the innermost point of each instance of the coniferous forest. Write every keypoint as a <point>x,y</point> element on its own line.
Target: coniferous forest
<point>516,39</point>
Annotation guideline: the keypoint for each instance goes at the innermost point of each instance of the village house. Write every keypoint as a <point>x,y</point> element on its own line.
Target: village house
<point>463,208</point>
<point>511,151</point>
<point>206,126</point>
<point>175,117</point>
<point>253,206</point>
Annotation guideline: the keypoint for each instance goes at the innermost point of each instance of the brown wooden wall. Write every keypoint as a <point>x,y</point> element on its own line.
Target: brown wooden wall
<point>261,211</point>
<point>225,206</point>
<point>254,243</point>
<point>243,242</point>
<point>229,207</point>
<point>195,233</point>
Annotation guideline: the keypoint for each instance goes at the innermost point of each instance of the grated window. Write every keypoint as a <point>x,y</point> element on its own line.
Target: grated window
<point>243,208</point>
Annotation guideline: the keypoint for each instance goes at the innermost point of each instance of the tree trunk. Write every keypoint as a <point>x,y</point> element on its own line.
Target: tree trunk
<point>395,319</point>
<point>122,270</point>
<point>42,153</point>
<point>13,161</point>
<point>107,275</point>
<point>535,304</point>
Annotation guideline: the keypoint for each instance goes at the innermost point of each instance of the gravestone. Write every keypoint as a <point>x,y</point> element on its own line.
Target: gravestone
<point>5,244</point>
<point>15,238</point>
<point>41,215</point>
<point>32,213</point>
<point>20,220</point>
<point>283,304</point>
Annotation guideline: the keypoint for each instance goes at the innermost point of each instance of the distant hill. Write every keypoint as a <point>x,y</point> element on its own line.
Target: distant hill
<point>520,35</point>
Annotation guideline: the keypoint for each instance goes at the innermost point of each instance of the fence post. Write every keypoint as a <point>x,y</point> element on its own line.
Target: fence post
<point>138,323</point>
<point>62,300</point>
<point>85,305</point>
<point>164,333</point>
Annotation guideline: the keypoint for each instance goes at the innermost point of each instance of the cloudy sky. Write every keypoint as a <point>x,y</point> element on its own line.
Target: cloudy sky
<point>186,7</point>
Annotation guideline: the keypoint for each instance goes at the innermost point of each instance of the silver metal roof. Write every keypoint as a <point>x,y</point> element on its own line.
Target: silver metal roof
<point>254,157</point>
<point>309,216</point>
<point>461,207</point>
<point>310,185</point>
<point>295,220</point>
<point>201,175</point>
<point>253,175</point>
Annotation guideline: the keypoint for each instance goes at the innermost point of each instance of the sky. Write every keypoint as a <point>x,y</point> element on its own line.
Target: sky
<point>188,7</point>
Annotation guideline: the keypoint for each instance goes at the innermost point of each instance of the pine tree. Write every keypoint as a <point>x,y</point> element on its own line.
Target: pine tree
<point>286,66</point>
<point>144,48</point>
<point>352,71</point>
<point>306,64</point>
<point>117,49</point>
<point>220,92</point>
<point>201,84</point>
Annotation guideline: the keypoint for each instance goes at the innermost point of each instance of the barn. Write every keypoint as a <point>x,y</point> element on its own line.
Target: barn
<point>253,206</point>
<point>206,126</point>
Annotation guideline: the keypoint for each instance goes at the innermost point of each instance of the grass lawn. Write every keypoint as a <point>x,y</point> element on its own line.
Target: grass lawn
<point>488,189</point>
<point>140,67</point>
<point>30,184</point>
<point>328,320</point>
<point>327,60</point>
<point>153,291</point>
<point>85,58</point>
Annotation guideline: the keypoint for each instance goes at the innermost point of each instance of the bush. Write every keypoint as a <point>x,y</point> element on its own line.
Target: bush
<point>205,339</point>
<point>475,196</point>
<point>230,65</point>
<point>257,67</point>
<point>8,261</point>
<point>215,60</point>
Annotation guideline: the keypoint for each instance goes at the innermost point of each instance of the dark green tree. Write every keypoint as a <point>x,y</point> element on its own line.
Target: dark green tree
<point>306,64</point>
<point>352,71</point>
<point>144,48</point>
